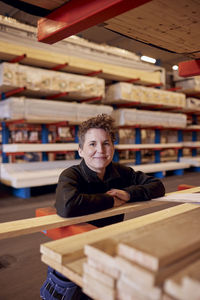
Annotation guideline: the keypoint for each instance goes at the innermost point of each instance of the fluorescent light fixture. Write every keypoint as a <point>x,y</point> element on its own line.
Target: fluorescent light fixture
<point>175,67</point>
<point>148,59</point>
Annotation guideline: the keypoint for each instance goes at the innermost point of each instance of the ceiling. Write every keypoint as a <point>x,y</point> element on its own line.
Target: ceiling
<point>101,35</point>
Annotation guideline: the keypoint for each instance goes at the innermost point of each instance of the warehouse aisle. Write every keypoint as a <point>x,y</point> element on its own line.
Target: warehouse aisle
<point>21,271</point>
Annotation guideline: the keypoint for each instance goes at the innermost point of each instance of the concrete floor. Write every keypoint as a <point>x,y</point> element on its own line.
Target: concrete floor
<point>21,270</point>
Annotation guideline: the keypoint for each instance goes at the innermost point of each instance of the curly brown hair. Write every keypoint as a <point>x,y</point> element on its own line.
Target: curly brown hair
<point>102,121</point>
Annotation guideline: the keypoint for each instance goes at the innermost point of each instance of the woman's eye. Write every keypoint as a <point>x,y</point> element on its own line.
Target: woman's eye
<point>92,144</point>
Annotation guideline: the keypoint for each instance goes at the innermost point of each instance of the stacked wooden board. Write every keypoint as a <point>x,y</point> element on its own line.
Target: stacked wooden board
<point>131,116</point>
<point>138,262</point>
<point>40,83</point>
<point>30,174</point>
<point>14,43</point>
<point>123,92</point>
<point>48,111</point>
<point>129,260</point>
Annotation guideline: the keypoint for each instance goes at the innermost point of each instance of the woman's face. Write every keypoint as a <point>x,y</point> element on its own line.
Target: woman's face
<point>98,149</point>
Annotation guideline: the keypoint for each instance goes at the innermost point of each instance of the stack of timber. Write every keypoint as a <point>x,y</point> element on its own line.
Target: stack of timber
<point>123,92</point>
<point>39,82</point>
<point>20,175</point>
<point>135,264</point>
<point>192,160</point>
<point>190,85</point>
<point>100,263</point>
<point>48,111</point>
<point>131,116</point>
<point>74,55</point>
<point>30,174</point>
<point>184,284</point>
<point>192,104</point>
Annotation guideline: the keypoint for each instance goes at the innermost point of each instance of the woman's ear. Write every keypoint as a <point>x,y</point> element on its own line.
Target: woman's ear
<point>80,151</point>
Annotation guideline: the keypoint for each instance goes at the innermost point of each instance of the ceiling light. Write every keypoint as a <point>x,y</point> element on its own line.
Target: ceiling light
<point>148,59</point>
<point>175,67</point>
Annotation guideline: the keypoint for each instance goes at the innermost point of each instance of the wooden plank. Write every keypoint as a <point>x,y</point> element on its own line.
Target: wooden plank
<point>31,225</point>
<point>168,242</point>
<point>73,270</point>
<point>99,275</point>
<point>61,250</point>
<point>147,278</point>
<point>127,285</point>
<point>95,289</point>
<point>185,284</point>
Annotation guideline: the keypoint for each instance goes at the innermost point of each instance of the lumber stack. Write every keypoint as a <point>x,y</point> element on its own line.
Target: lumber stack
<point>48,111</point>
<point>137,263</point>
<point>190,85</point>
<point>185,284</point>
<point>39,82</point>
<point>131,116</point>
<point>98,270</point>
<point>124,92</point>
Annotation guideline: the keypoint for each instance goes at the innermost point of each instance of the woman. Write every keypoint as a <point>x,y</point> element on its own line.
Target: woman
<point>97,183</point>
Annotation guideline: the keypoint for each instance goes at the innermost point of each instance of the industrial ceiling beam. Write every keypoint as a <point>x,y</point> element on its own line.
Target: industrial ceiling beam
<point>189,68</point>
<point>76,16</point>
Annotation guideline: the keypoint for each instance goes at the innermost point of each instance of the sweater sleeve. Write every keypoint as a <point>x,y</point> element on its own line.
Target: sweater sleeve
<point>71,202</point>
<point>143,187</point>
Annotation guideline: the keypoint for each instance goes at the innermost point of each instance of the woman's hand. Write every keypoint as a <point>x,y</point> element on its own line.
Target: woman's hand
<point>120,196</point>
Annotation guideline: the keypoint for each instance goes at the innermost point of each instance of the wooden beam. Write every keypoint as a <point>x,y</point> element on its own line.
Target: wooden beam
<point>31,225</point>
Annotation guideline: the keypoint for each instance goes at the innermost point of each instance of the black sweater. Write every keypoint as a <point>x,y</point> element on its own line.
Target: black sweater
<point>81,192</point>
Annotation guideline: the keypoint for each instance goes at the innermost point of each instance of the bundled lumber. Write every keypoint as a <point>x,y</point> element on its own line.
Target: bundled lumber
<point>132,116</point>
<point>20,175</point>
<point>39,82</point>
<point>192,103</point>
<point>123,92</point>
<point>185,284</point>
<point>189,85</point>
<point>135,264</point>
<point>192,160</point>
<point>48,111</point>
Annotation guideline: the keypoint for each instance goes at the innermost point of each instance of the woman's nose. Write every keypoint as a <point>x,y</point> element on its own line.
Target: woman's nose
<point>100,148</point>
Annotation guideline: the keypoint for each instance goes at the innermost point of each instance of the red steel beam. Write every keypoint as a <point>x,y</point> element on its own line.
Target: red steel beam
<point>76,16</point>
<point>189,68</point>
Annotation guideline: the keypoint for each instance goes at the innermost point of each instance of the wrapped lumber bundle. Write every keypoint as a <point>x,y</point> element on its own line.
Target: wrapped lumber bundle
<point>127,92</point>
<point>86,111</point>
<point>132,116</point>
<point>192,103</point>
<point>39,82</point>
<point>189,85</point>
<point>135,264</point>
<point>12,109</point>
<point>29,174</point>
<point>47,111</point>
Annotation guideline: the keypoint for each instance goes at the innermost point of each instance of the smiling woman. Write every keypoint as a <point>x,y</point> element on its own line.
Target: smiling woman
<point>96,184</point>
